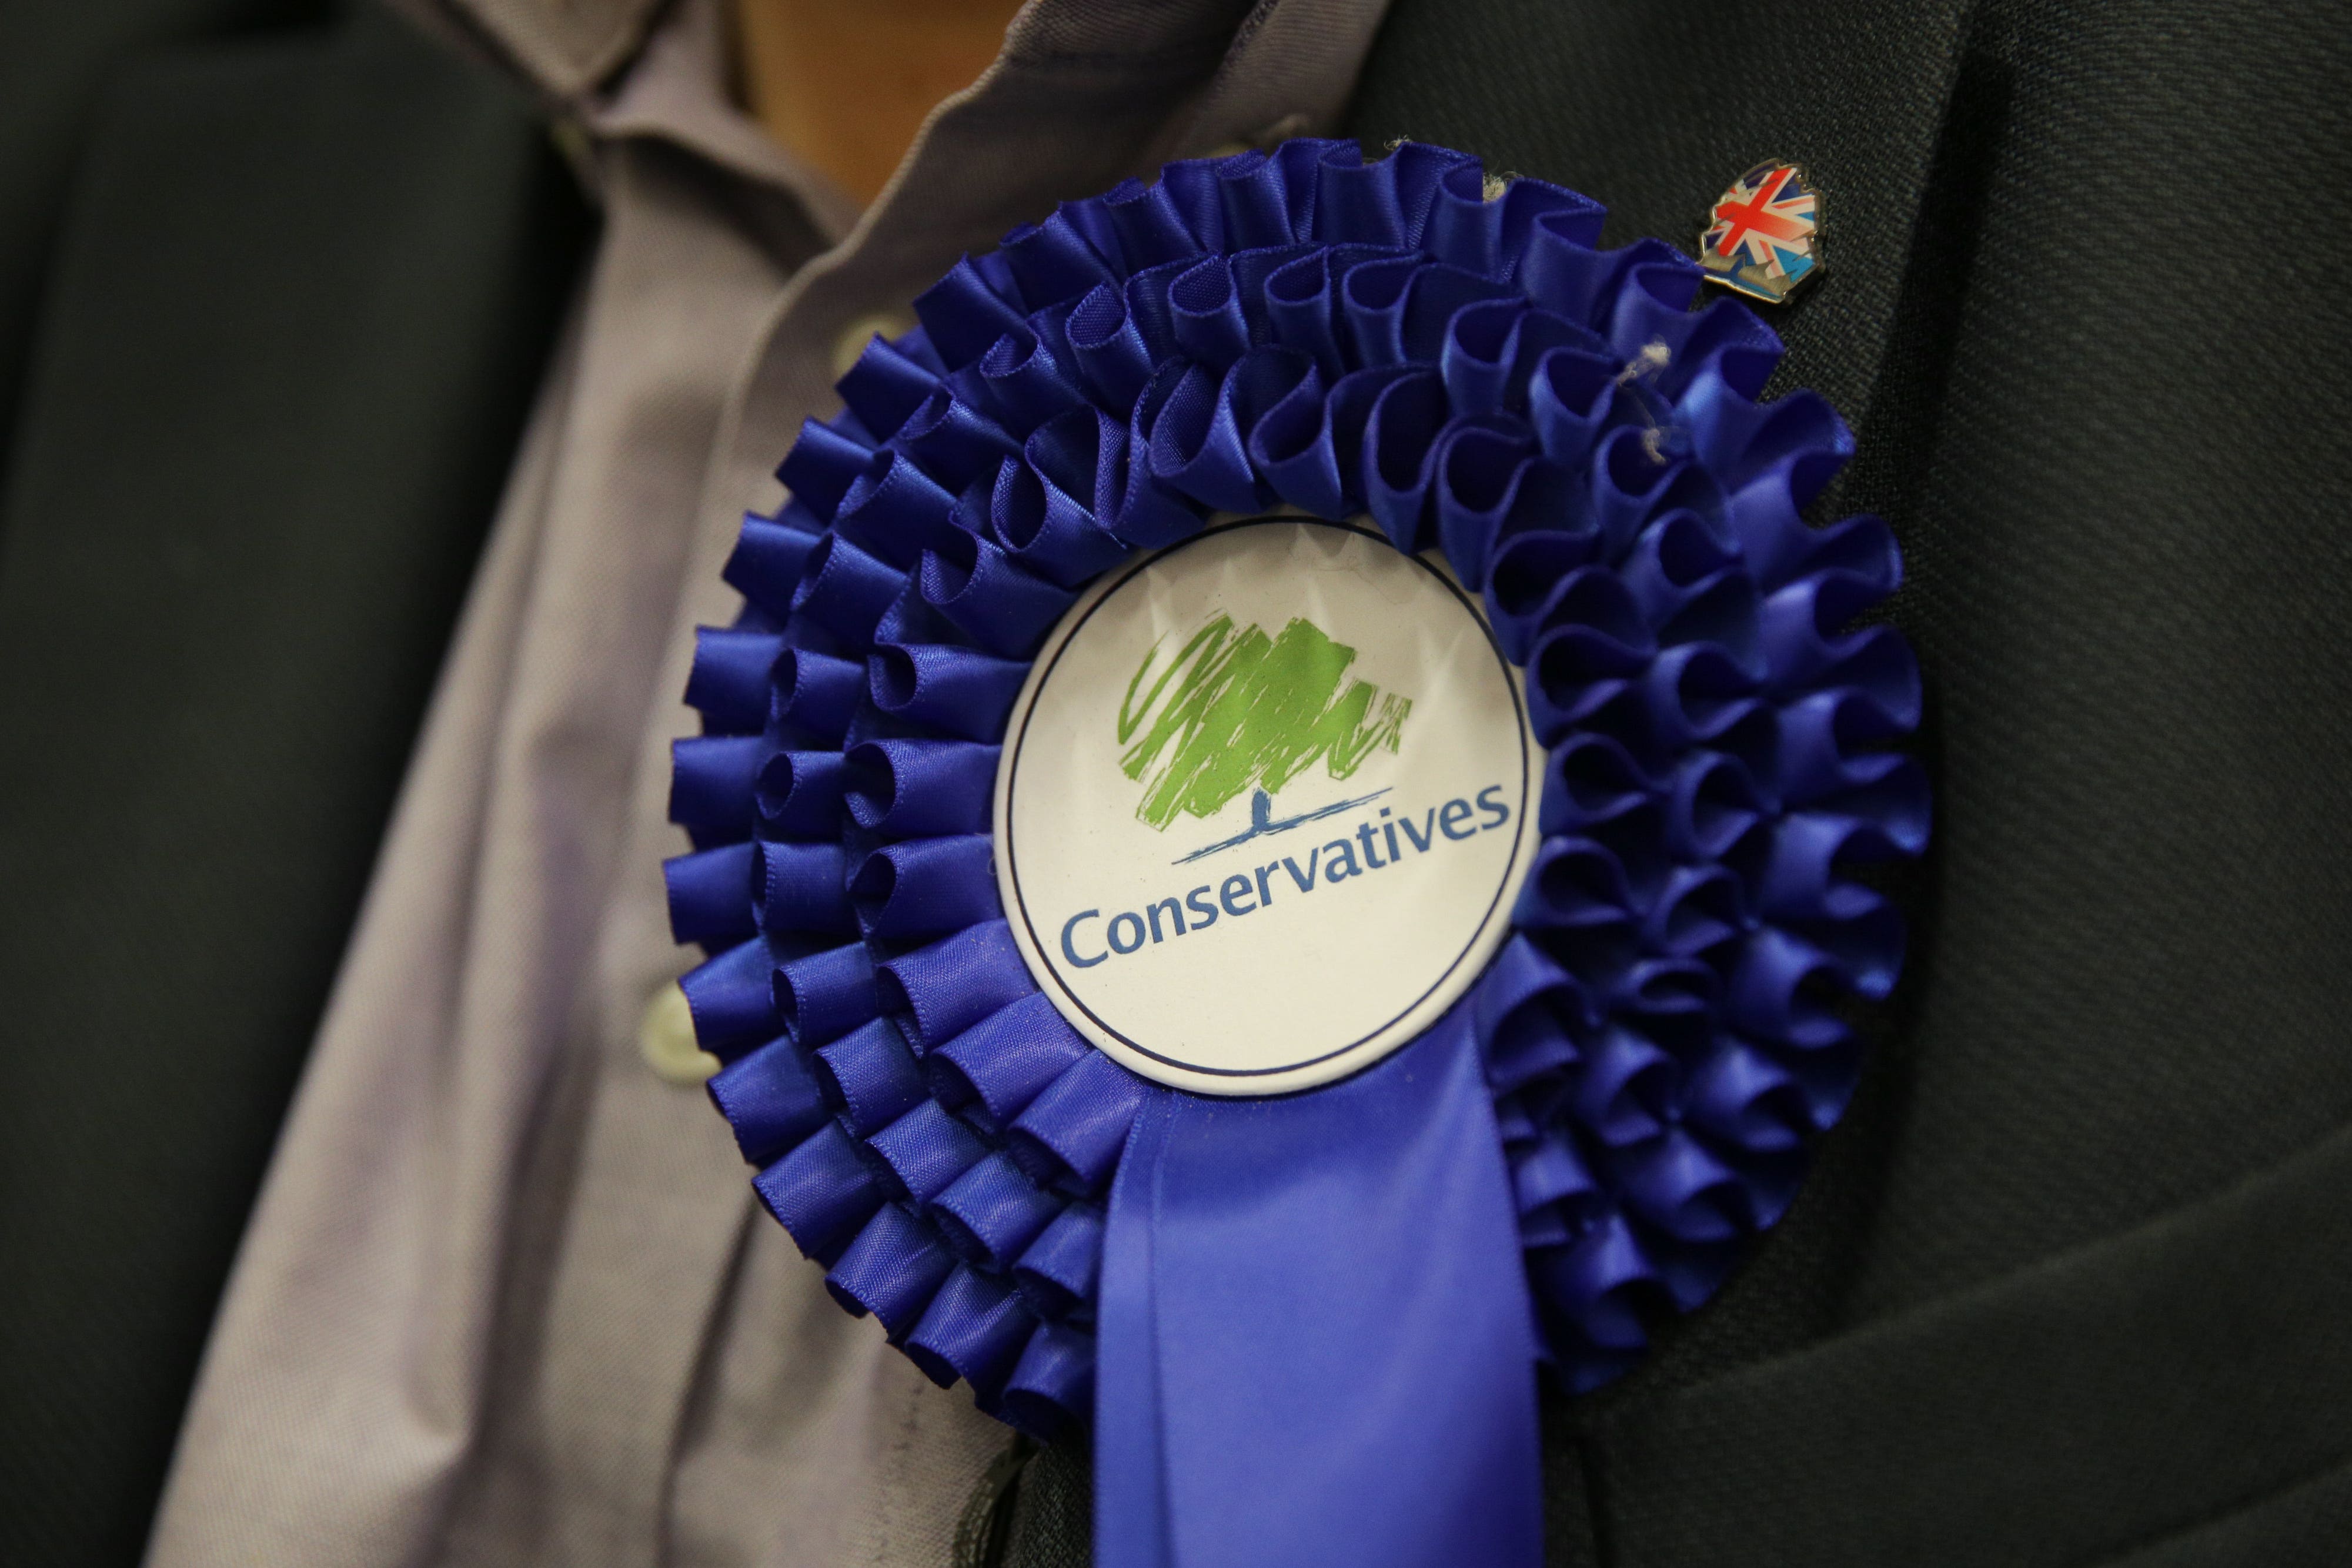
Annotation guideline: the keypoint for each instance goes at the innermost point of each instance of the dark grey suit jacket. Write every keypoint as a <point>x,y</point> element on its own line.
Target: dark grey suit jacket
<point>2072,1282</point>
<point>276,287</point>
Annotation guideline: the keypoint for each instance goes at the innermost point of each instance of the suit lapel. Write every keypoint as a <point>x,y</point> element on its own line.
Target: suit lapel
<point>303,293</point>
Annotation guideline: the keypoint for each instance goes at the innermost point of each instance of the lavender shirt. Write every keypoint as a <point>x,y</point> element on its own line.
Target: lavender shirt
<point>505,1298</point>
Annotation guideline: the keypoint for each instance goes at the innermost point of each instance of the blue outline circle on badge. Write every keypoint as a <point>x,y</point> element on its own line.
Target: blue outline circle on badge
<point>1494,928</point>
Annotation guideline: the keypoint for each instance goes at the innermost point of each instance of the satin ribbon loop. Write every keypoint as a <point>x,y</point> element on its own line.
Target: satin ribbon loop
<point>885,385</point>
<point>1005,1062</point>
<point>705,896</point>
<point>729,681</point>
<point>822,996</point>
<point>800,888</point>
<point>923,888</point>
<point>770,1099</point>
<point>766,563</point>
<point>868,1078</point>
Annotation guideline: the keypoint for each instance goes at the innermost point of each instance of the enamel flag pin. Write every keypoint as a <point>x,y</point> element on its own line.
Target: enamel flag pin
<point>1763,237</point>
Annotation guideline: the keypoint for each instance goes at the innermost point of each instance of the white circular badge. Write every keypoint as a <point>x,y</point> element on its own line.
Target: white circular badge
<point>1264,805</point>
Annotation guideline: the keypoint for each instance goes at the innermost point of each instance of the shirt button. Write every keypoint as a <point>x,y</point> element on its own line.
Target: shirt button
<point>666,1040</point>
<point>858,333</point>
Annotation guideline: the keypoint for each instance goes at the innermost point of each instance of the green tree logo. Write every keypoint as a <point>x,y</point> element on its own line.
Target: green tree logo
<point>1236,710</point>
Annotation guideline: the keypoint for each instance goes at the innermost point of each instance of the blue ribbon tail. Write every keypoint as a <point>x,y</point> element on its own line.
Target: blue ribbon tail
<point>1316,1342</point>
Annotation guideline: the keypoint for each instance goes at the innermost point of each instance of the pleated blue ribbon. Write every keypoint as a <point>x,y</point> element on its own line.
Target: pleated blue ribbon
<point>1313,1316</point>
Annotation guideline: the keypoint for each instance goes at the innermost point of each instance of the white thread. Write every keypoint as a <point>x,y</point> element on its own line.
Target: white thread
<point>1655,356</point>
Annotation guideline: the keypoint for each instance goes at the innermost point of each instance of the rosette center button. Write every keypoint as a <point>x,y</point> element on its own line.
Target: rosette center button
<point>1264,805</point>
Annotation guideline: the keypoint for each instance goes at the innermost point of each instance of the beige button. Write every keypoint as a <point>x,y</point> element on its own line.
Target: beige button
<point>666,1040</point>
<point>858,333</point>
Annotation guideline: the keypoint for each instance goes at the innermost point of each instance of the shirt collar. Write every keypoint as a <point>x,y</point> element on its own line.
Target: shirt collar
<point>675,89</point>
<point>1298,56</point>
<point>1037,127</point>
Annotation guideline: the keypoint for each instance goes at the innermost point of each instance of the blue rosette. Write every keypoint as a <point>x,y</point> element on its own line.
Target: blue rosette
<point>1454,359</point>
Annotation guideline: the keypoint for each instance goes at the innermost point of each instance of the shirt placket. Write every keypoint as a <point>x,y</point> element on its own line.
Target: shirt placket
<point>632,1198</point>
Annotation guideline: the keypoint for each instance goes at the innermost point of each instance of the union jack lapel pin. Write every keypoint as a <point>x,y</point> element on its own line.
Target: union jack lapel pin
<point>1763,237</point>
